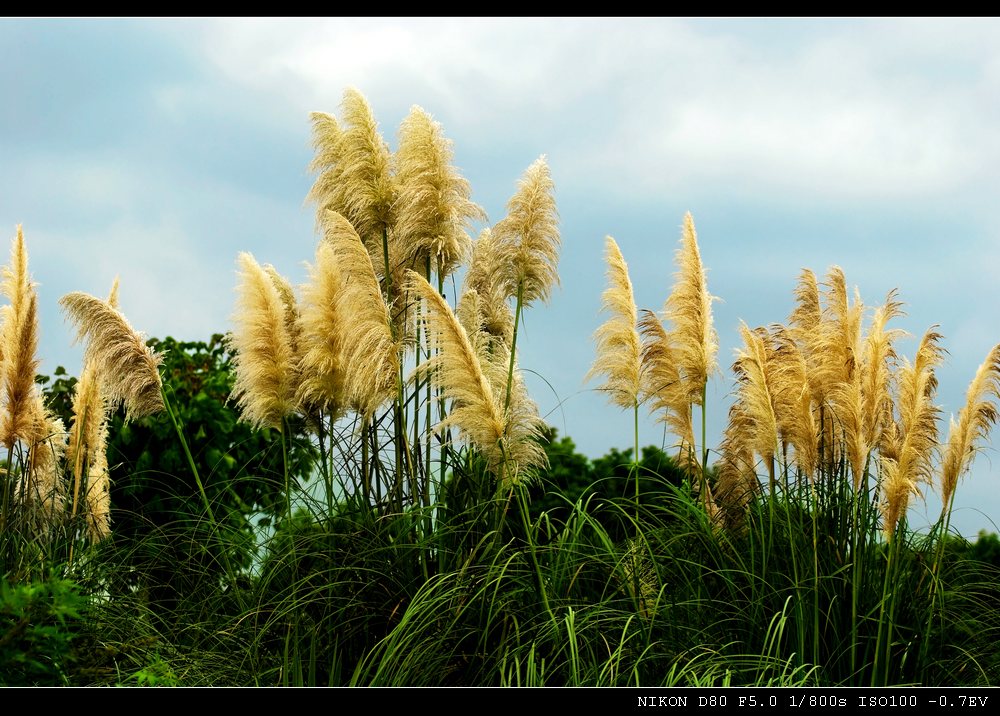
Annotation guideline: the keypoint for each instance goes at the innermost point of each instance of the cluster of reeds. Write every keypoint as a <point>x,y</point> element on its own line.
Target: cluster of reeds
<point>831,430</point>
<point>370,342</point>
<point>54,484</point>
<point>817,399</point>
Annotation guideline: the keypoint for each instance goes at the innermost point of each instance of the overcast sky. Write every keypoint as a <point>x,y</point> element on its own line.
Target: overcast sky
<point>158,149</point>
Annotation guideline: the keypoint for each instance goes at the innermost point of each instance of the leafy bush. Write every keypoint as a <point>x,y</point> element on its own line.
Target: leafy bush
<point>38,622</point>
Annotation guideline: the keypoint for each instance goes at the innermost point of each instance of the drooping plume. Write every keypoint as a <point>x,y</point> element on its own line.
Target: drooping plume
<point>917,433</point>
<point>877,367</point>
<point>130,369</point>
<point>618,347</point>
<point>491,276</point>
<point>508,440</point>
<point>372,353</point>
<point>327,192</point>
<point>86,453</point>
<point>974,422</point>
<point>264,358</point>
<point>663,387</point>
<point>433,209</point>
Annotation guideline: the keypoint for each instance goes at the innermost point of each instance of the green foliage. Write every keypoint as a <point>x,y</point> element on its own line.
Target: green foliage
<point>986,549</point>
<point>607,480</point>
<point>159,527</point>
<point>38,621</point>
<point>581,584</point>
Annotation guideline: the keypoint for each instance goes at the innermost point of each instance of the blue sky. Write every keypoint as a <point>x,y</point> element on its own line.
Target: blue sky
<point>158,149</point>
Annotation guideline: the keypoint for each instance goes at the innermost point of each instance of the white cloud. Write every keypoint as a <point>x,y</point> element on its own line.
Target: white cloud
<point>672,105</point>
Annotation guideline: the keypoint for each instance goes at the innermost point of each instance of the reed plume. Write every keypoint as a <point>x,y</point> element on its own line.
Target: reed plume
<point>836,349</point>
<point>618,346</point>
<point>662,385</point>
<point>20,344</point>
<point>491,277</point>
<point>531,231</point>
<point>755,394</point>
<point>508,440</point>
<point>974,422</point>
<point>371,356</point>
<point>264,358</point>
<point>130,369</point>
<point>689,310</point>
<point>918,433</point>
<point>803,326</point>
<point>737,482</point>
<point>321,331</point>
<point>327,192</point>
<point>86,451</point>
<point>99,490</point>
<point>25,419</point>
<point>288,300</point>
<point>877,368</point>
<point>45,487</point>
<point>788,376</point>
<point>433,208</point>
<point>367,186</point>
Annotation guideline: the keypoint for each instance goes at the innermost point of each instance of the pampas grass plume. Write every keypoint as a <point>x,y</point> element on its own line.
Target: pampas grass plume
<point>618,346</point>
<point>129,367</point>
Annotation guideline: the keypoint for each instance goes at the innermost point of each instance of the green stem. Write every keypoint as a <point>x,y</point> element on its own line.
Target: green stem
<point>230,572</point>
<point>189,456</point>
<point>513,344</point>
<point>523,500</point>
<point>635,462</point>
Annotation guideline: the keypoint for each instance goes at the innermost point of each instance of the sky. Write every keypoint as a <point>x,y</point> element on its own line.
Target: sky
<point>157,150</point>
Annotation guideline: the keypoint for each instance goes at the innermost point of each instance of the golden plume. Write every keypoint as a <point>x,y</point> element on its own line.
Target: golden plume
<point>834,367</point>
<point>45,486</point>
<point>531,230</point>
<point>755,394</point>
<point>974,422</point>
<point>491,276</point>
<point>129,368</point>
<point>804,328</point>
<point>917,430</point>
<point>287,294</point>
<point>264,358</point>
<point>689,309</point>
<point>788,377</point>
<point>20,343</point>
<point>372,353</point>
<point>508,441</point>
<point>663,387</point>
<point>89,433</point>
<point>433,208</point>
<point>368,190</point>
<point>327,191</point>
<point>737,477</point>
<point>99,492</point>
<point>877,367</point>
<point>618,347</point>
<point>321,331</point>
<point>839,330</point>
